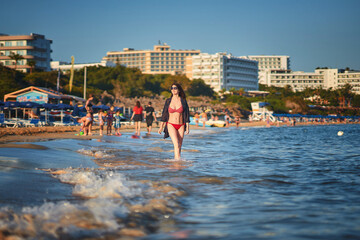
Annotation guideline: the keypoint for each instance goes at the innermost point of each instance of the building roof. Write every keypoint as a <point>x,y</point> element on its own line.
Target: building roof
<point>51,93</point>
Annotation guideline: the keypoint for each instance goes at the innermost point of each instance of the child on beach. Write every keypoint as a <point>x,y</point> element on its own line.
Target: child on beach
<point>109,121</point>
<point>117,125</point>
<point>196,118</point>
<point>203,118</point>
<point>102,116</point>
<point>86,123</point>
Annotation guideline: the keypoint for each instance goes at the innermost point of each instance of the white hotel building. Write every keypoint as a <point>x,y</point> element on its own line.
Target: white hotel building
<point>325,78</point>
<point>223,71</point>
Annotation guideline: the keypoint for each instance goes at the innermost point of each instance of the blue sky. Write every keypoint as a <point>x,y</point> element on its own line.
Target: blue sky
<point>312,32</point>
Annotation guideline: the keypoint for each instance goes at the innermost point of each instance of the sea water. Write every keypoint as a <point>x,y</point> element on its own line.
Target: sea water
<point>231,183</point>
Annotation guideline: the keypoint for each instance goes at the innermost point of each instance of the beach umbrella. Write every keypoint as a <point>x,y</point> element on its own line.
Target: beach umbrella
<point>29,105</point>
<point>62,106</point>
<point>47,107</point>
<point>13,105</point>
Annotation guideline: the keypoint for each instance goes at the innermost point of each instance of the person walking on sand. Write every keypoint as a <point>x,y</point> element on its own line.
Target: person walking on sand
<point>137,116</point>
<point>175,118</point>
<point>117,124</point>
<point>149,115</point>
<point>109,120</point>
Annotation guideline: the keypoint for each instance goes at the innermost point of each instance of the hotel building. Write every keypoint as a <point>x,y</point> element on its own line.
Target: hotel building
<point>160,60</point>
<point>268,63</point>
<point>272,62</point>
<point>30,47</point>
<point>325,78</point>
<point>223,71</point>
<point>350,77</point>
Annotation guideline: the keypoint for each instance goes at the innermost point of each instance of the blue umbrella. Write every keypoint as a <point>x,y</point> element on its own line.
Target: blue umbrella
<point>12,104</point>
<point>48,105</point>
<point>62,106</point>
<point>29,105</point>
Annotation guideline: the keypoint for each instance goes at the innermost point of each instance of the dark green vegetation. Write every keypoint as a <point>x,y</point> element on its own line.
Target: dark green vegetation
<point>130,82</point>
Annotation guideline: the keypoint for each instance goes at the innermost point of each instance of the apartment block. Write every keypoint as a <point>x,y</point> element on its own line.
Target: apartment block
<point>160,60</point>
<point>325,78</point>
<point>223,71</point>
<point>31,47</point>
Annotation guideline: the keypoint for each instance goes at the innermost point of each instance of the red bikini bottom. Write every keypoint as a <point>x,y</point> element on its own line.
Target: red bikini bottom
<point>176,126</point>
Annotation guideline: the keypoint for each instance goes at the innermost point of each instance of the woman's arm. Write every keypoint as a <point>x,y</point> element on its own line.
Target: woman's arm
<point>187,128</point>
<point>132,116</point>
<point>161,127</point>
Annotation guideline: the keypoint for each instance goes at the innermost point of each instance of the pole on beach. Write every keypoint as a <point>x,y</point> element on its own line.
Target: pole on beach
<point>84,82</point>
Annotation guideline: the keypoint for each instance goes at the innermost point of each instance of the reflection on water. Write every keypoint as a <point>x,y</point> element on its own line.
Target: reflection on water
<point>248,183</point>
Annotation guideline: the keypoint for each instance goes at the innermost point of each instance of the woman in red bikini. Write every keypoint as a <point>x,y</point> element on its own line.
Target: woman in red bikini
<point>175,118</point>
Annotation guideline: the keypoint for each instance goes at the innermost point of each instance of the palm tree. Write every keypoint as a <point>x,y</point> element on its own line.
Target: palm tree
<point>16,57</point>
<point>32,64</point>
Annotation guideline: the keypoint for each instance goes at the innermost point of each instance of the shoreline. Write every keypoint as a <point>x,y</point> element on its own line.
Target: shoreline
<point>36,134</point>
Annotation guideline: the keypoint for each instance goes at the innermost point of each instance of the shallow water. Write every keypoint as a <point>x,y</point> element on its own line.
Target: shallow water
<point>247,183</point>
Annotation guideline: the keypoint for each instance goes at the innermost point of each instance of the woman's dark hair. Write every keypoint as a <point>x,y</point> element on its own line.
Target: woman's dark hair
<point>137,104</point>
<point>180,89</point>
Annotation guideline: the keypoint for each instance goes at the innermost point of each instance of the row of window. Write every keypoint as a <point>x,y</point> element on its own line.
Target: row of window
<point>167,67</point>
<point>349,76</point>
<point>161,70</point>
<point>300,76</point>
<point>297,81</point>
<point>167,63</point>
<point>173,54</point>
<point>12,43</point>
<point>348,80</point>
<point>125,55</point>
<point>7,53</point>
<point>167,58</point>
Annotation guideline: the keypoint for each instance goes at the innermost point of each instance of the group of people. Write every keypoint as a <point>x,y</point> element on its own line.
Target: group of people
<point>139,114</point>
<point>110,117</point>
<point>175,118</point>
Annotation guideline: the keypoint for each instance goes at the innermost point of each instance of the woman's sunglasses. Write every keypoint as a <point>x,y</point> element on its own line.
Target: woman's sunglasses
<point>174,88</point>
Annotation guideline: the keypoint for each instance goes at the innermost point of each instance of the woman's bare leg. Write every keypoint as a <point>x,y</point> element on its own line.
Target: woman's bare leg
<point>176,139</point>
<point>181,132</point>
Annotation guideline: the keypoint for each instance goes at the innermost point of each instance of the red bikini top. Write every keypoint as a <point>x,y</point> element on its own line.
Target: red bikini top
<point>179,110</point>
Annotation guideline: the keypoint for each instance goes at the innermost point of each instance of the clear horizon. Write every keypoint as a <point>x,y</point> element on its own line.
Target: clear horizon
<point>313,33</point>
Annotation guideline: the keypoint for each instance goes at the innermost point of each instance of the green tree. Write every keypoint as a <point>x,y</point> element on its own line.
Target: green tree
<point>16,57</point>
<point>31,64</point>
<point>199,88</point>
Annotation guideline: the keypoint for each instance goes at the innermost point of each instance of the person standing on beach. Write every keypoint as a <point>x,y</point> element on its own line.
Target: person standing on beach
<point>109,120</point>
<point>227,119</point>
<point>89,104</point>
<point>237,120</point>
<point>117,124</point>
<point>196,118</point>
<point>204,118</point>
<point>175,118</point>
<point>149,115</point>
<point>137,116</point>
<point>101,116</point>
